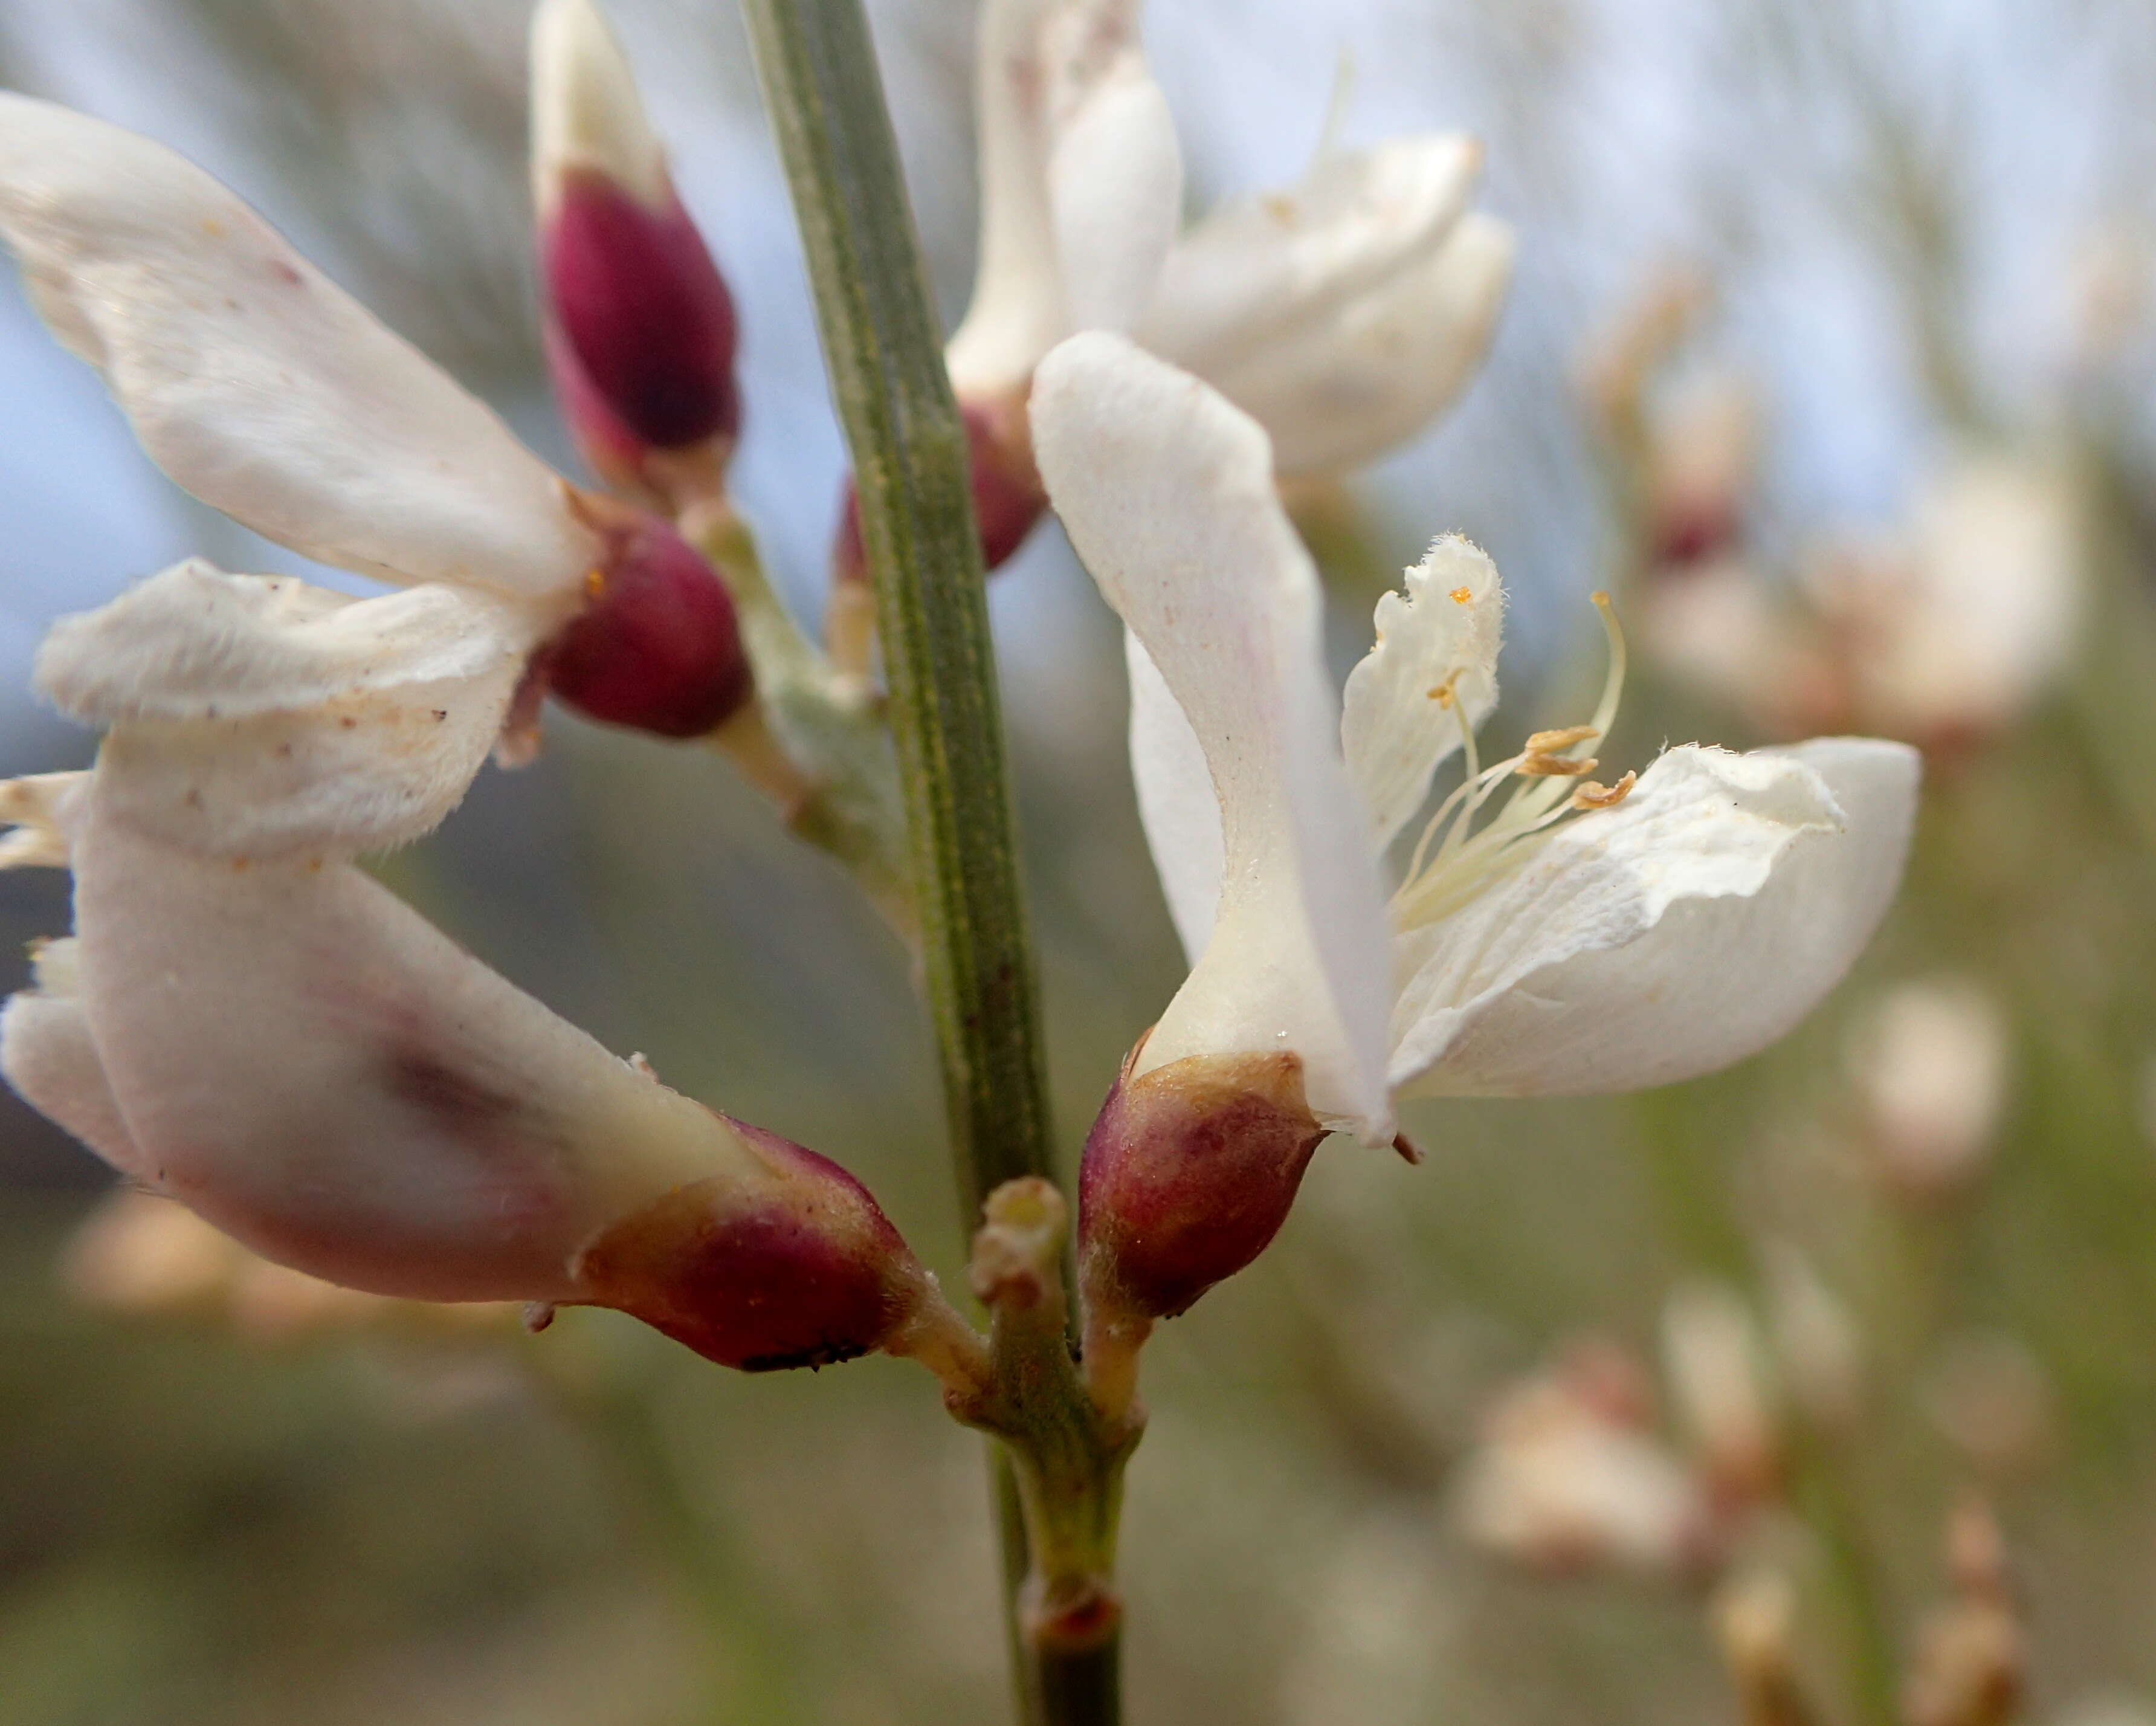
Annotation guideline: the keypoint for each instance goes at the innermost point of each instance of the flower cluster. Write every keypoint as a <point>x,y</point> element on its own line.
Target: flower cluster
<point>244,1021</point>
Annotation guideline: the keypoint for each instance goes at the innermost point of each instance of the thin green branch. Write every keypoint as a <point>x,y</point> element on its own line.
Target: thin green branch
<point>885,354</point>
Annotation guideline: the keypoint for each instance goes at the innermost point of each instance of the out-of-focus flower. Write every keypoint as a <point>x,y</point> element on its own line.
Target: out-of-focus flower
<point>641,333</point>
<point>1817,1344</point>
<point>1991,1399</point>
<point>1930,1060</point>
<point>1753,1615</point>
<point>1582,938</point>
<point>1958,628</point>
<point>260,386</point>
<point>143,1256</point>
<point>1718,1379</point>
<point>1566,1477</point>
<point>1345,313</point>
<point>1971,1661</point>
<point>245,1021</point>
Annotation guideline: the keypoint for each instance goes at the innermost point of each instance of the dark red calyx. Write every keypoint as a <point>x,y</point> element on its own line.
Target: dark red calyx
<point>1007,496</point>
<point>658,647</point>
<point>1189,1173</point>
<point>805,1272</point>
<point>643,310</point>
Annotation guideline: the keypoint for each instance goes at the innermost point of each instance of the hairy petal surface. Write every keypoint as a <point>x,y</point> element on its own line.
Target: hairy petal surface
<point>257,716</point>
<point>1434,664</point>
<point>1683,930</point>
<point>1166,492</point>
<point>259,384</point>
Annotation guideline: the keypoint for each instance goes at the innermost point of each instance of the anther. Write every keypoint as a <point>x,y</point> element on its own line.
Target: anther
<point>1554,767</point>
<point>1592,796</point>
<point>1548,742</point>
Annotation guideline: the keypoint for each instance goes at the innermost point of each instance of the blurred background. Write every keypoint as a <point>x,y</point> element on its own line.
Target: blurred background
<point>1829,355</point>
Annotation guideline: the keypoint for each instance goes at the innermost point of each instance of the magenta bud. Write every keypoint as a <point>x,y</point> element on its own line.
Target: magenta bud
<point>1189,1173</point>
<point>643,312</point>
<point>803,1272</point>
<point>1008,498</point>
<point>658,647</point>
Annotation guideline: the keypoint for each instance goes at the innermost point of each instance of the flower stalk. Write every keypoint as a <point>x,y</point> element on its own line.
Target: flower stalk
<point>922,553</point>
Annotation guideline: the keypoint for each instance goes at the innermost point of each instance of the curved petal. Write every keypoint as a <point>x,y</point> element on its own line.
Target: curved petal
<point>1684,929</point>
<point>1435,664</point>
<point>47,1055</point>
<point>313,1067</point>
<point>587,113</point>
<point>257,716</point>
<point>42,808</point>
<point>1115,193</point>
<point>1016,312</point>
<point>1175,803</point>
<point>259,384</point>
<point>1345,388</point>
<point>1166,491</point>
<point>1263,265</point>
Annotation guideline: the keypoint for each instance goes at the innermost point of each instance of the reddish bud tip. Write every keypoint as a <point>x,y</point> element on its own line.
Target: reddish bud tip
<point>805,1271</point>
<point>1188,1175</point>
<point>1008,498</point>
<point>643,312</point>
<point>658,647</point>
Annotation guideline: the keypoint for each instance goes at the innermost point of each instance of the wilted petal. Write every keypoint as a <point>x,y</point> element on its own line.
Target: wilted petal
<point>1434,663</point>
<point>312,1066</point>
<point>259,384</point>
<point>257,716</point>
<point>1176,802</point>
<point>1263,266</point>
<point>1683,930</point>
<point>1342,389</point>
<point>1166,492</point>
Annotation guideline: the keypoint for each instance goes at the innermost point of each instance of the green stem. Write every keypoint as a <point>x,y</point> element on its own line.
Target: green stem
<point>910,464</point>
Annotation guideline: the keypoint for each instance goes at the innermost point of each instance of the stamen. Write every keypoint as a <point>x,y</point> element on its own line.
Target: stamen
<point>1592,796</point>
<point>1548,742</point>
<point>1554,767</point>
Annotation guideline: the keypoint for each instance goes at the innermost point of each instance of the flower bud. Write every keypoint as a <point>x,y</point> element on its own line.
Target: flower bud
<point>1188,1175</point>
<point>645,328</point>
<point>805,1272</point>
<point>659,646</point>
<point>1008,498</point>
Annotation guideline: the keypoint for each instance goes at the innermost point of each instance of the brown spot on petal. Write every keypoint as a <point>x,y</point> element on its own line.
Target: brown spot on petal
<point>461,1104</point>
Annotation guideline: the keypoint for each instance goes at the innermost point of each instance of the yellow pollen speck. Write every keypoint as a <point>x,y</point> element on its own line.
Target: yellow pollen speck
<point>213,228</point>
<point>595,583</point>
<point>1548,742</point>
<point>1281,208</point>
<point>1441,694</point>
<point>1554,767</point>
<point>1592,796</point>
<point>1460,596</point>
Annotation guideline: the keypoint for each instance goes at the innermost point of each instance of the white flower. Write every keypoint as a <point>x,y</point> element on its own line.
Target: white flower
<point>268,392</point>
<point>1578,939</point>
<point>1932,1061</point>
<point>244,1021</point>
<point>1345,313</point>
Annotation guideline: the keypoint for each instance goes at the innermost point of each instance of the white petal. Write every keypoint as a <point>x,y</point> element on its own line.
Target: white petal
<point>259,384</point>
<point>47,1055</point>
<point>41,807</point>
<point>1265,265</point>
<point>257,717</point>
<point>1343,389</point>
<point>1434,662</point>
<point>311,1066</point>
<point>1683,930</point>
<point>586,112</point>
<point>1175,801</point>
<point>1166,492</point>
<point>1016,314</point>
<point>1116,190</point>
